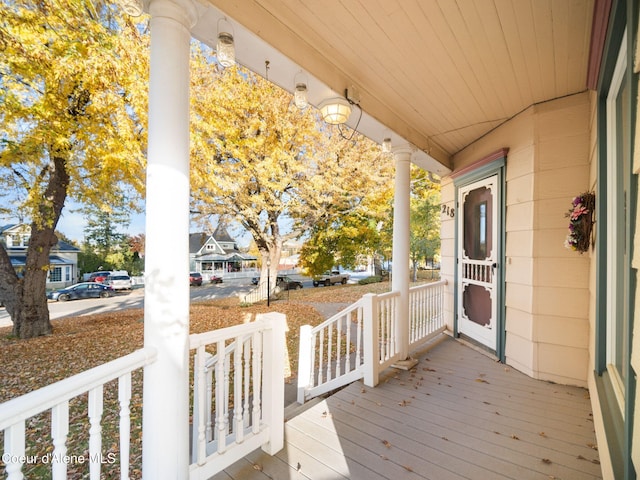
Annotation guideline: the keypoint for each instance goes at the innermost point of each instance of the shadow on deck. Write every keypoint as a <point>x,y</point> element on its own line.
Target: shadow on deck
<point>456,415</point>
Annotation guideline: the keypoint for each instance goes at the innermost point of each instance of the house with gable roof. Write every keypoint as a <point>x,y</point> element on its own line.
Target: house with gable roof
<point>218,253</point>
<point>63,257</point>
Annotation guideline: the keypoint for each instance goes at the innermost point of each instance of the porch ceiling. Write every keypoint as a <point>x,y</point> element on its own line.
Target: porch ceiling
<point>438,73</point>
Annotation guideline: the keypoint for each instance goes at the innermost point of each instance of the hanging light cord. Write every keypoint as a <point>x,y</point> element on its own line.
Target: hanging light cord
<point>353,131</point>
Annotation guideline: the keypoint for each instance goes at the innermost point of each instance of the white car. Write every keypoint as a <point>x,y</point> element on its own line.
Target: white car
<point>120,282</point>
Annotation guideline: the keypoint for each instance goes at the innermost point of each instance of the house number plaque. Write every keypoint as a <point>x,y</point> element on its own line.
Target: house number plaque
<point>447,211</point>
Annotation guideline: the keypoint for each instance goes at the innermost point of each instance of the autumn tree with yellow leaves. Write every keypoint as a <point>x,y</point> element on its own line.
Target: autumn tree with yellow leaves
<point>275,169</point>
<point>73,76</point>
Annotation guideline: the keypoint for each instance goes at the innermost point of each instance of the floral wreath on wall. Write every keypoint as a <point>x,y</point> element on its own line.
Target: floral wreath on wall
<point>581,222</point>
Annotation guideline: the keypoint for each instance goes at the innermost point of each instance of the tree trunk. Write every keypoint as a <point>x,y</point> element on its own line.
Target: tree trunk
<point>32,319</point>
<point>271,257</point>
<point>25,298</point>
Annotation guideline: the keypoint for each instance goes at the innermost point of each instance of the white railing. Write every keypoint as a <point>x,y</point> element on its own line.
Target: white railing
<point>362,340</point>
<point>426,312</point>
<point>257,294</point>
<point>55,398</point>
<point>385,318</point>
<point>331,354</point>
<point>238,396</point>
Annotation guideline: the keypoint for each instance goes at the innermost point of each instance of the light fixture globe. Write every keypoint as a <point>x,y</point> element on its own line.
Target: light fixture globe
<point>335,111</point>
<point>134,8</point>
<point>300,96</point>
<point>225,50</point>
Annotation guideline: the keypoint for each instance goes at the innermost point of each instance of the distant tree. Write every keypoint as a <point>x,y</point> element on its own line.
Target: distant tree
<point>72,89</point>
<point>90,261</point>
<point>425,218</point>
<point>102,231</point>
<point>263,163</point>
<point>137,244</point>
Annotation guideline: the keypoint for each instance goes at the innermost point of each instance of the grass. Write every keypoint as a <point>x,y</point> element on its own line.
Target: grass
<point>81,343</point>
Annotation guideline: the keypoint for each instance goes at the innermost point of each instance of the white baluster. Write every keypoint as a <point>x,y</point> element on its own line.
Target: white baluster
<point>124,398</point>
<point>329,350</point>
<point>359,316</point>
<point>14,450</point>
<point>338,345</point>
<point>227,390</point>
<point>247,381</point>
<point>199,410</point>
<point>314,338</point>
<point>95,432</point>
<point>59,432</point>
<point>347,355</point>
<point>321,358</point>
<point>220,400</point>
<point>238,427</point>
<point>257,382</point>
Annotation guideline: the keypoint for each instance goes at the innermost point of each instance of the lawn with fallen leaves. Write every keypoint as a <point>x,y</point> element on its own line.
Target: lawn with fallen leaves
<point>80,343</point>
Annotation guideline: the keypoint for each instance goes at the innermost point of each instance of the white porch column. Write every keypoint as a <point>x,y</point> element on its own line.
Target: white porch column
<point>401,245</point>
<point>165,418</point>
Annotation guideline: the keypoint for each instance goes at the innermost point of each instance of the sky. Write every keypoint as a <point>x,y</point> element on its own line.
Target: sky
<point>73,225</point>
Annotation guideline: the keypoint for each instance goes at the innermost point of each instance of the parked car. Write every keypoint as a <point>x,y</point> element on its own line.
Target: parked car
<point>330,278</point>
<point>215,279</point>
<point>119,282</point>
<point>287,283</point>
<point>195,278</point>
<point>255,280</point>
<point>81,290</point>
<point>100,277</point>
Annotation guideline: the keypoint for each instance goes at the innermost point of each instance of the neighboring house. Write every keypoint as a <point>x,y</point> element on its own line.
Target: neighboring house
<point>63,257</point>
<point>217,252</point>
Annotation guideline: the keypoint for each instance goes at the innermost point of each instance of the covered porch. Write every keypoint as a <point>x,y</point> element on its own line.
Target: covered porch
<point>457,414</point>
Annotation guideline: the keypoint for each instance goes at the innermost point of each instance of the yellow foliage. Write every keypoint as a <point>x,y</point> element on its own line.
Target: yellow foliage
<point>73,89</point>
<point>273,168</point>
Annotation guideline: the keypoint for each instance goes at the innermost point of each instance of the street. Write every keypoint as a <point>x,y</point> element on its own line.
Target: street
<point>133,299</point>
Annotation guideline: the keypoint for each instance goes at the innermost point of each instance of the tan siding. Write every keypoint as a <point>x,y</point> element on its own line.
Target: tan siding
<point>519,216</point>
<point>547,165</point>
<point>519,270</point>
<point>521,189</point>
<point>565,331</point>
<point>519,296</point>
<point>519,243</point>
<point>559,272</point>
<point>562,364</point>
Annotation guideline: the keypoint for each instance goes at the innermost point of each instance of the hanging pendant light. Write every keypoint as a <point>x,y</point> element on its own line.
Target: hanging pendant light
<point>225,48</point>
<point>133,8</point>
<point>300,96</point>
<point>300,92</point>
<point>335,111</point>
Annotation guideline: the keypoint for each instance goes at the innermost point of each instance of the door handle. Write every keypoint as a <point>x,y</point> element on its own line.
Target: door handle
<point>495,265</point>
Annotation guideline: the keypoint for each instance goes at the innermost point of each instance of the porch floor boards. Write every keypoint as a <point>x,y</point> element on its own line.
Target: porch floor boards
<point>457,415</point>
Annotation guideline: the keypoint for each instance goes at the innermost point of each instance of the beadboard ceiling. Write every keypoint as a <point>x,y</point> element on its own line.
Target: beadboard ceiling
<point>437,73</point>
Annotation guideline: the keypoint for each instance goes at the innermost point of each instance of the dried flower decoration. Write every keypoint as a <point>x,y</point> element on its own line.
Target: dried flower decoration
<point>581,222</point>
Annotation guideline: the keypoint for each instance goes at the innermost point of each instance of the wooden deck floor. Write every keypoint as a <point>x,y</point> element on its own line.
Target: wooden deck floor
<point>457,415</point>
